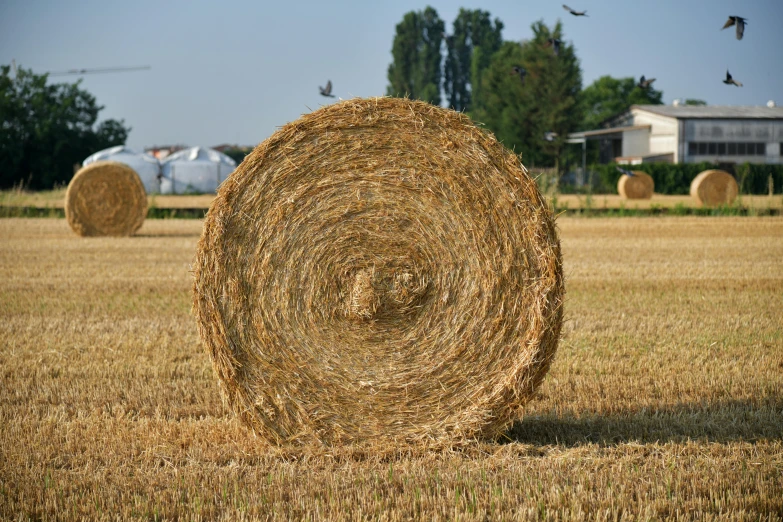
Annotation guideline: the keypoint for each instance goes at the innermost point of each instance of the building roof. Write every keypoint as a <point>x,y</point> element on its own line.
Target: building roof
<point>604,132</point>
<point>714,111</point>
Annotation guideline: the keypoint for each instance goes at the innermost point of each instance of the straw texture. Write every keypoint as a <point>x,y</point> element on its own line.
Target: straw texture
<point>105,198</point>
<point>638,186</point>
<point>714,187</point>
<point>380,269</point>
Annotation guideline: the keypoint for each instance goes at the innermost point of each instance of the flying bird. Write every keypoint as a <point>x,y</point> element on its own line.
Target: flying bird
<point>731,81</point>
<point>326,91</point>
<point>644,83</point>
<point>520,71</point>
<point>575,13</point>
<point>626,172</point>
<point>554,43</point>
<point>739,22</point>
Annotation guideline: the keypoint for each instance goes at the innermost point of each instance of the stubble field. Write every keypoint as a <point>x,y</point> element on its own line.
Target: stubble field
<point>665,399</point>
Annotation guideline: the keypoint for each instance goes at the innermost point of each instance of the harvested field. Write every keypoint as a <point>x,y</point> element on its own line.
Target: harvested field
<point>665,398</point>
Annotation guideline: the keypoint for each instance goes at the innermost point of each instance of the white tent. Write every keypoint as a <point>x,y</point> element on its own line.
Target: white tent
<point>146,166</point>
<point>197,169</point>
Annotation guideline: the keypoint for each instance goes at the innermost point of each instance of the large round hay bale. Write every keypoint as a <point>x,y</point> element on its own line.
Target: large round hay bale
<point>714,187</point>
<point>638,186</point>
<point>105,198</point>
<point>379,269</point>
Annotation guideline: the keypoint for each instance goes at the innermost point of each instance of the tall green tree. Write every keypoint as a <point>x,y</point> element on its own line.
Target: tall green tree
<point>532,115</point>
<point>469,49</point>
<point>416,53</point>
<point>45,129</point>
<point>607,97</point>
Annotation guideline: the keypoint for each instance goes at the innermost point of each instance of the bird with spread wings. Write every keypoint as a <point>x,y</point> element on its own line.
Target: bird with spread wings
<point>326,91</point>
<point>739,22</point>
<point>575,13</point>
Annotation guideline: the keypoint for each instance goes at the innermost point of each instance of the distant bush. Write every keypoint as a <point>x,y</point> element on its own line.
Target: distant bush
<point>238,154</point>
<point>676,178</point>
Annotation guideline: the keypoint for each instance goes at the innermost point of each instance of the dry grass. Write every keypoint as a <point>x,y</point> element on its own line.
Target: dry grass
<point>665,399</point>
<point>659,201</point>
<point>56,199</point>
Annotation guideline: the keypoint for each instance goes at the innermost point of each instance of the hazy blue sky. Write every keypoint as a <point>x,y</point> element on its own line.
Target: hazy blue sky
<point>234,71</point>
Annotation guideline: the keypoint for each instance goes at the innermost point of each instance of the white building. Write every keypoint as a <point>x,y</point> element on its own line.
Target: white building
<point>195,170</point>
<point>691,134</point>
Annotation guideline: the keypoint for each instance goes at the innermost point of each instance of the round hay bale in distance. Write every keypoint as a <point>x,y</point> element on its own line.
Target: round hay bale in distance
<point>714,187</point>
<point>380,269</point>
<point>638,186</point>
<point>105,198</point>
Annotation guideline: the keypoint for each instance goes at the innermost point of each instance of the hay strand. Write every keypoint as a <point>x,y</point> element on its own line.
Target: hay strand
<point>638,186</point>
<point>105,198</point>
<point>380,269</point>
<point>714,187</point>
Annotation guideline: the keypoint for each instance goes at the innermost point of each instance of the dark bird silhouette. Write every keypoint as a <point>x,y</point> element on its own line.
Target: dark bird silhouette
<point>554,43</point>
<point>550,136</point>
<point>731,81</point>
<point>326,91</point>
<point>575,13</point>
<point>626,172</point>
<point>644,83</point>
<point>520,71</point>
<point>739,22</point>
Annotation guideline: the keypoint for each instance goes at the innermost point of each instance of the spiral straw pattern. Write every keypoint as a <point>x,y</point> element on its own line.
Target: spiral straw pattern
<point>380,269</point>
<point>639,186</point>
<point>714,187</point>
<point>105,198</point>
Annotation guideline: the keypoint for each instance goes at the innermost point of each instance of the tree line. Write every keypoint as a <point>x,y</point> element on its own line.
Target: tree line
<point>472,69</point>
<point>48,129</point>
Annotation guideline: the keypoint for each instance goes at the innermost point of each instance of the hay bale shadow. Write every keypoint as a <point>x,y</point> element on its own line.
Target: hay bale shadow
<point>722,422</point>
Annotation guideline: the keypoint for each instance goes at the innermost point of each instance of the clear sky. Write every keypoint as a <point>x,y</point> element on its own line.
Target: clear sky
<point>234,71</point>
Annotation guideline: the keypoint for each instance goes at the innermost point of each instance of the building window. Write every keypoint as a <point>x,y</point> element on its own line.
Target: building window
<point>711,148</point>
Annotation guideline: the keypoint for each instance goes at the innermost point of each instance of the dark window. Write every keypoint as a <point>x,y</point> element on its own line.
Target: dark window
<point>781,148</point>
<point>704,148</point>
